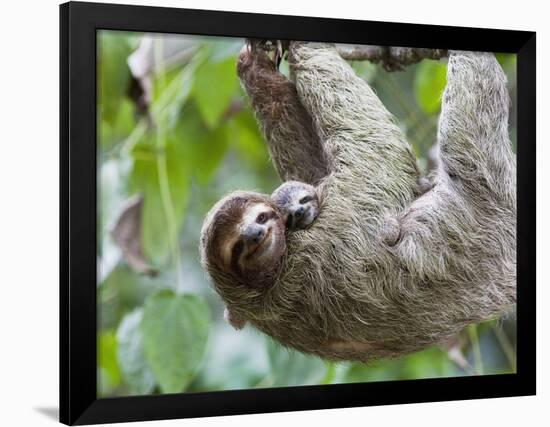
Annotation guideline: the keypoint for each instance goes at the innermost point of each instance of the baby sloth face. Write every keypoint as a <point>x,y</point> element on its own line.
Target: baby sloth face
<point>298,203</point>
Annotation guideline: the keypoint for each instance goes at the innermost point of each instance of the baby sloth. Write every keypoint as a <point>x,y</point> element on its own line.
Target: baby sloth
<point>298,203</point>
<point>299,206</point>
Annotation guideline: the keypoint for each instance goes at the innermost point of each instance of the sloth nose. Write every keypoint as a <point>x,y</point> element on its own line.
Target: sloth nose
<point>299,212</point>
<point>253,233</point>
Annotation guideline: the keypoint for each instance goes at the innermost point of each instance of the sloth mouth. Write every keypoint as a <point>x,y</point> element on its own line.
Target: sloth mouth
<point>305,216</point>
<point>300,221</point>
<point>260,244</point>
<point>294,220</point>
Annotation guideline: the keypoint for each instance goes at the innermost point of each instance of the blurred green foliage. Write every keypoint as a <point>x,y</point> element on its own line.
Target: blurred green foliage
<point>166,334</point>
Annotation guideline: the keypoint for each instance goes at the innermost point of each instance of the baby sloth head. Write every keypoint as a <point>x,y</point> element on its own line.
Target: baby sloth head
<point>243,237</point>
<point>298,203</point>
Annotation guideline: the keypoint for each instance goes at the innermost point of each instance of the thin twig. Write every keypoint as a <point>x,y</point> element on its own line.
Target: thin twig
<point>474,339</point>
<point>162,170</point>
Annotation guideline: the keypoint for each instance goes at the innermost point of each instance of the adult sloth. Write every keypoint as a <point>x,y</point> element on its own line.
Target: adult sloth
<point>382,271</point>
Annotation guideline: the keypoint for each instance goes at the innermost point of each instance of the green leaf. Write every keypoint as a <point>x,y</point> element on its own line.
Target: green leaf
<point>204,148</point>
<point>365,69</point>
<point>104,387</point>
<point>506,59</point>
<point>134,369</point>
<point>175,332</point>
<point>145,179</point>
<point>429,83</point>
<point>161,83</point>
<point>290,368</point>
<point>424,364</point>
<point>119,125</point>
<point>214,86</point>
<point>181,96</point>
<point>247,139</point>
<point>106,357</point>
<point>122,291</point>
<point>113,72</point>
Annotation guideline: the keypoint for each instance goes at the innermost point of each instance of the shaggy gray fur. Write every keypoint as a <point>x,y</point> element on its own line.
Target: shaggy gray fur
<point>382,271</point>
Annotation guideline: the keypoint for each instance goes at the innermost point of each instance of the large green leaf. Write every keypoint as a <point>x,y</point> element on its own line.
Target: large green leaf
<point>134,369</point>
<point>290,368</point>
<point>429,83</point>
<point>175,331</point>
<point>214,86</point>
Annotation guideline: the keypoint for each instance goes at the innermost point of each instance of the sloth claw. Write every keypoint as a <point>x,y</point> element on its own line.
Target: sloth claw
<point>234,320</point>
<point>391,231</point>
<point>424,185</point>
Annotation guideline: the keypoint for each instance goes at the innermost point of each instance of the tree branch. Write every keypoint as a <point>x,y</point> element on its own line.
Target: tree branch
<point>391,58</point>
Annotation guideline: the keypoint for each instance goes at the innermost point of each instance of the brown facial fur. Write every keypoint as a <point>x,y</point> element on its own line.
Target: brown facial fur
<point>250,269</point>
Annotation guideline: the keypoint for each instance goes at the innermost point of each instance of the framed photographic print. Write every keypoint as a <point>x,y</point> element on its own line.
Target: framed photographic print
<point>268,213</point>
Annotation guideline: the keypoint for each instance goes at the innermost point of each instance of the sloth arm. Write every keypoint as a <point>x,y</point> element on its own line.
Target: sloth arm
<point>295,149</point>
<point>473,127</point>
<point>365,147</point>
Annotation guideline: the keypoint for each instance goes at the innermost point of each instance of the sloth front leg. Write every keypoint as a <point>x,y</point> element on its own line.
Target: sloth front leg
<point>294,146</point>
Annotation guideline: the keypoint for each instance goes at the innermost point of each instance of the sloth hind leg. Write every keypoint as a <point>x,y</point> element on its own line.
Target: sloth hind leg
<point>474,144</point>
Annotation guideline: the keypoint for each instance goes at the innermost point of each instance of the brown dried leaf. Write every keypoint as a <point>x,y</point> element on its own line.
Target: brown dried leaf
<point>126,234</point>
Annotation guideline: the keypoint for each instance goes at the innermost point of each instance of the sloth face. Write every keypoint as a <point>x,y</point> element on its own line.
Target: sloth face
<point>298,202</point>
<point>256,239</point>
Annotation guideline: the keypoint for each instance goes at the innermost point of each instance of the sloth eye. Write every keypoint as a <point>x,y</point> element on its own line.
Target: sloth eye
<point>262,218</point>
<point>305,199</point>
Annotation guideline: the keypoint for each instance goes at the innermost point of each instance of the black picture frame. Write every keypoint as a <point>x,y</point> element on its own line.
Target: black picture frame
<point>78,399</point>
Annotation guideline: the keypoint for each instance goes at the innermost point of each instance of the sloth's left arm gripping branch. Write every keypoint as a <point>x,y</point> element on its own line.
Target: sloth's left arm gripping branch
<point>294,146</point>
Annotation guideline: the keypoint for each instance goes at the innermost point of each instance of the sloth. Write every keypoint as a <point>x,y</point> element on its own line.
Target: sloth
<point>298,202</point>
<point>383,270</point>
